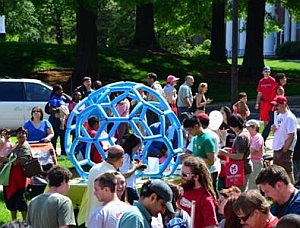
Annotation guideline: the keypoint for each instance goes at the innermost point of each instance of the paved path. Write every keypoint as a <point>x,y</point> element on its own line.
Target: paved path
<point>293,101</point>
<point>294,104</point>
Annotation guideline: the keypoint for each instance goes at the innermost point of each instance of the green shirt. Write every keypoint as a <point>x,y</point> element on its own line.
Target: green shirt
<point>22,152</point>
<point>136,217</point>
<point>203,144</point>
<point>50,211</point>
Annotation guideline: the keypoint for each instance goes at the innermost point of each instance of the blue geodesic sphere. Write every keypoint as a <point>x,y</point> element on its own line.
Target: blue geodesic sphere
<point>100,102</point>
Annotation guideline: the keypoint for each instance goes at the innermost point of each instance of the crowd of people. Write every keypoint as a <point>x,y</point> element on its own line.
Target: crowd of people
<point>210,193</point>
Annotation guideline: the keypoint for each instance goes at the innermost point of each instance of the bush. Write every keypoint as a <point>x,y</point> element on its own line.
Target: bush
<point>198,50</point>
<point>290,49</point>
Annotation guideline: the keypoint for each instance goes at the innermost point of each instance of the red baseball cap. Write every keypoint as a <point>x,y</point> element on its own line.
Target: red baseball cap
<point>203,117</point>
<point>279,100</point>
<point>172,78</point>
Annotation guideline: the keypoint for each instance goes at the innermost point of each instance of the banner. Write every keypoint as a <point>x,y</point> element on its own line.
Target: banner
<point>42,151</point>
<point>2,24</point>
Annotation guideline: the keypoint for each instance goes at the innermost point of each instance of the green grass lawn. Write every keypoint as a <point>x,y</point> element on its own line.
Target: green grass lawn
<point>5,214</point>
<point>22,59</point>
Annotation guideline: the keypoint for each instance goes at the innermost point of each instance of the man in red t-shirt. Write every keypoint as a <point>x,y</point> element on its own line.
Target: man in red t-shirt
<point>254,210</point>
<point>264,91</point>
<point>197,185</point>
<point>277,90</point>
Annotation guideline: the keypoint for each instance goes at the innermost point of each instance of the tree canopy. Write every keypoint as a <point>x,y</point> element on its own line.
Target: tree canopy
<point>176,26</point>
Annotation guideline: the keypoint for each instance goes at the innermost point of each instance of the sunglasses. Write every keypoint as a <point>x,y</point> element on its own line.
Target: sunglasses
<point>245,218</point>
<point>36,111</point>
<point>187,174</point>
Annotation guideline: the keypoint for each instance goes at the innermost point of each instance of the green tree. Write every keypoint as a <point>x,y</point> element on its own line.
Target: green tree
<point>293,6</point>
<point>181,25</point>
<point>144,37</point>
<point>115,24</point>
<point>21,23</point>
<point>86,35</point>
<point>58,20</point>
<point>253,58</point>
<point>86,45</point>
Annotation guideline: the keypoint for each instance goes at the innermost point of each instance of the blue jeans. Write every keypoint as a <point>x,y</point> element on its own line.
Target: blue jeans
<point>267,128</point>
<point>296,164</point>
<point>132,195</point>
<point>55,122</point>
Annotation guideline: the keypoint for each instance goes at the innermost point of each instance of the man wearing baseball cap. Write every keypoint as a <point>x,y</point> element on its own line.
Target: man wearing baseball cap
<point>285,135</point>
<point>264,91</point>
<point>156,196</point>
<point>171,92</point>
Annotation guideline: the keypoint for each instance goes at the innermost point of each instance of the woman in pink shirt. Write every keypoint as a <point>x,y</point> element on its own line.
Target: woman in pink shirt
<point>256,150</point>
<point>76,98</point>
<point>5,145</point>
<point>123,108</point>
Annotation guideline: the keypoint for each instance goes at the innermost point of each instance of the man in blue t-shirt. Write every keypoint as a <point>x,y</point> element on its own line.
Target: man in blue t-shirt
<point>185,96</point>
<point>276,185</point>
<point>156,197</point>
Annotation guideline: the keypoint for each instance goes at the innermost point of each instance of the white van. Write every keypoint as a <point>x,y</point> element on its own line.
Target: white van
<point>18,97</point>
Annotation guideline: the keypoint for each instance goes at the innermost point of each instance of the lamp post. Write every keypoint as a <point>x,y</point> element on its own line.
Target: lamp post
<point>234,65</point>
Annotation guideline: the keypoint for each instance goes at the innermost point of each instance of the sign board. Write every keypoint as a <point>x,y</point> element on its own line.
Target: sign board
<point>2,24</point>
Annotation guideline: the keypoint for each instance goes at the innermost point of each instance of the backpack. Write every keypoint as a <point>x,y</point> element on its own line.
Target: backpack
<point>178,221</point>
<point>47,108</point>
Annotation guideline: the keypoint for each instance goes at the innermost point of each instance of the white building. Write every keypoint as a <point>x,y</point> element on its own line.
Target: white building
<point>290,32</point>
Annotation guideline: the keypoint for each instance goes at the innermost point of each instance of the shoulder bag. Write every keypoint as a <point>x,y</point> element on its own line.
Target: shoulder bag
<point>32,167</point>
<point>5,172</point>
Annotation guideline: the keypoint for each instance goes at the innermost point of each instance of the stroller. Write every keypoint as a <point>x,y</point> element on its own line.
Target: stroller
<point>36,186</point>
<point>38,183</point>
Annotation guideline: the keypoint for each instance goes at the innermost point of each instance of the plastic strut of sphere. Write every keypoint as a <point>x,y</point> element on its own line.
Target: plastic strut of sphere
<point>99,102</point>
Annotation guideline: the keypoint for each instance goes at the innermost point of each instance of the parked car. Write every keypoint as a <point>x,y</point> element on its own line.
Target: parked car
<point>18,97</point>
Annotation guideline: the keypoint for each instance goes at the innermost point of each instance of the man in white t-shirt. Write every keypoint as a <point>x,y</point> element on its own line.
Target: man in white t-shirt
<point>108,214</point>
<point>113,162</point>
<point>285,135</point>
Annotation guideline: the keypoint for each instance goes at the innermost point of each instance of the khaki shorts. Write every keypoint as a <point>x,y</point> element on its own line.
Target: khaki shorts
<point>284,159</point>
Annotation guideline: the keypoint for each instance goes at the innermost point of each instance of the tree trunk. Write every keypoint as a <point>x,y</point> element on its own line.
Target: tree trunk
<point>254,59</point>
<point>144,37</point>
<point>86,49</point>
<point>217,48</point>
<point>58,27</point>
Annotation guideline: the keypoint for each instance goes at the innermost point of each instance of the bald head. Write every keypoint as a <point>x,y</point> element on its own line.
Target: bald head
<point>115,153</point>
<point>189,80</point>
